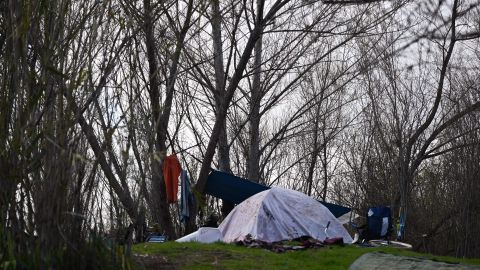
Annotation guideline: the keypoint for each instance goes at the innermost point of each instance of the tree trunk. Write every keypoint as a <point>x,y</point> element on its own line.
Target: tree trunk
<point>253,165</point>
<point>160,212</point>
<point>230,91</point>
<point>313,158</point>
<point>223,148</point>
<point>324,163</point>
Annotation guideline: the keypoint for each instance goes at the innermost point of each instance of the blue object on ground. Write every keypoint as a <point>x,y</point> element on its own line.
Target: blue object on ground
<point>157,238</point>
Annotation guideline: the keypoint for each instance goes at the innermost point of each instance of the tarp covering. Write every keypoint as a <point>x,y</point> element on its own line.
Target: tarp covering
<point>203,235</point>
<point>235,189</point>
<point>231,188</point>
<point>336,210</point>
<point>281,214</point>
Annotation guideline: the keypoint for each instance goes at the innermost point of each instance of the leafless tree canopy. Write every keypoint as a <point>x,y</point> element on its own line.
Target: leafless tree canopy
<point>360,103</point>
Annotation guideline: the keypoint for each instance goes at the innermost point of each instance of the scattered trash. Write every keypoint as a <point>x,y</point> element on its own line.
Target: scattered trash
<point>334,241</point>
<point>301,243</point>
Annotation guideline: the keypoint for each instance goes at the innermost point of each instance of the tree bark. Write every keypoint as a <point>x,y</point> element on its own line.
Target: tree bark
<point>161,115</point>
<point>219,91</point>
<point>253,165</point>
<point>160,211</point>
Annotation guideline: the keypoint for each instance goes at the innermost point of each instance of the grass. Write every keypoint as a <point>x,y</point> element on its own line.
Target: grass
<point>174,255</point>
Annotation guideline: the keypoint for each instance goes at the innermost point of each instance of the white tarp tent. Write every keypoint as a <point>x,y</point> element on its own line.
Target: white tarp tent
<point>203,235</point>
<point>281,214</point>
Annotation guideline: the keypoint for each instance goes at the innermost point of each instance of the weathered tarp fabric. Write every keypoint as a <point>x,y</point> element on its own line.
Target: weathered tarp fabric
<point>235,189</point>
<point>203,235</point>
<point>281,214</point>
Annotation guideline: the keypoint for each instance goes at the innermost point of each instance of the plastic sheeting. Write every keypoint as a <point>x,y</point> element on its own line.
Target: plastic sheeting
<point>281,214</point>
<point>203,235</point>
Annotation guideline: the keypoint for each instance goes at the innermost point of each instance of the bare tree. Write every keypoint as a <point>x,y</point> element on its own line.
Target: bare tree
<point>409,136</point>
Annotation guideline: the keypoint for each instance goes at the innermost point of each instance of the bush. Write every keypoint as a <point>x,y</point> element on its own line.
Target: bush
<point>92,253</point>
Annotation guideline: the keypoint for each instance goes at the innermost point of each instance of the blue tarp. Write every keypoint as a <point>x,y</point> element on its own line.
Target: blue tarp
<point>235,189</point>
<point>231,188</point>
<point>337,210</point>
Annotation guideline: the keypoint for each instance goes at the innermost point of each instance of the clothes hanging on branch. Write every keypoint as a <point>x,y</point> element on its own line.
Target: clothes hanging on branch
<point>171,171</point>
<point>186,197</point>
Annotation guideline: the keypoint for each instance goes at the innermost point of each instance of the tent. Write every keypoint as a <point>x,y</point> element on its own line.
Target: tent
<point>203,235</point>
<point>281,214</point>
<point>235,189</point>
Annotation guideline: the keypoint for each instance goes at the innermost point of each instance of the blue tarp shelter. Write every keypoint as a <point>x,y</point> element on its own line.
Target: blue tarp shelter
<point>235,189</point>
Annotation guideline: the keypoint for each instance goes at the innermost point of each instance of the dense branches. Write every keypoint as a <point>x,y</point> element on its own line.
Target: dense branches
<point>359,102</point>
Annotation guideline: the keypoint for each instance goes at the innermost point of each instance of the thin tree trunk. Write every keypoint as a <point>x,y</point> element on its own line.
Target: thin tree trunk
<point>255,103</point>
<point>87,129</point>
<point>230,91</point>
<point>324,165</point>
<point>223,148</point>
<point>221,118</point>
<point>160,211</point>
<point>160,117</point>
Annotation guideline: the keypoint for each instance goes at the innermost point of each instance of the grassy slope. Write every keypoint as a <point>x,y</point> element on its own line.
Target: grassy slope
<point>173,255</point>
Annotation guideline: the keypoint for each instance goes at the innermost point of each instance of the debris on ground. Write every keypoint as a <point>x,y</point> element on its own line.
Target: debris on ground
<point>300,243</point>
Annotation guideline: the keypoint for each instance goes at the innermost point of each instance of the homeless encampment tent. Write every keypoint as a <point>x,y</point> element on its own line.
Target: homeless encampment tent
<point>281,214</point>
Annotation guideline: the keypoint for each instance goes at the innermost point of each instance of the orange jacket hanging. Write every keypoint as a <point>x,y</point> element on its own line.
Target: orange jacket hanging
<point>171,171</point>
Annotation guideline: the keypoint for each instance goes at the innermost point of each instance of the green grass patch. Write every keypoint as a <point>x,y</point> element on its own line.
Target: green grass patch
<point>172,255</point>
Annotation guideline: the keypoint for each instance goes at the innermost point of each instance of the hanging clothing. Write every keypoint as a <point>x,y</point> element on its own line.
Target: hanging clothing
<point>187,197</point>
<point>171,171</point>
